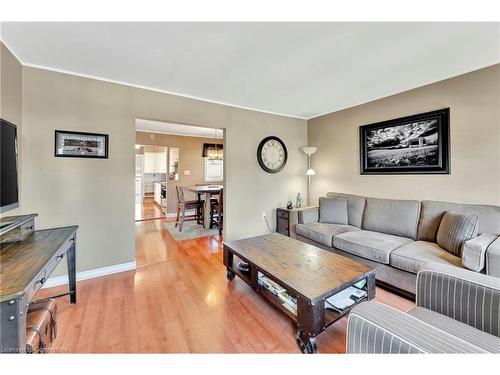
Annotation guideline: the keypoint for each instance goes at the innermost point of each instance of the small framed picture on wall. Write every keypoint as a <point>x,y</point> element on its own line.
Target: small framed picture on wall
<point>81,145</point>
<point>418,144</point>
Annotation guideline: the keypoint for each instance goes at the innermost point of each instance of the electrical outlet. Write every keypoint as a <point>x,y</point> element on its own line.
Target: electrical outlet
<point>264,216</point>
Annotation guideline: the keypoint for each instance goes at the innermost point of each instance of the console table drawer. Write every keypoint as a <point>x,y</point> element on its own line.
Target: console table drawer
<point>51,266</point>
<point>37,283</point>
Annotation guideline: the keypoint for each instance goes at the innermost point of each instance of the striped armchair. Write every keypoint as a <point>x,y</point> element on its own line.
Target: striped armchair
<point>457,312</point>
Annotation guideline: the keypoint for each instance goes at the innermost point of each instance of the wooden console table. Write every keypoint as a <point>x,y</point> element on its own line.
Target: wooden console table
<point>24,267</point>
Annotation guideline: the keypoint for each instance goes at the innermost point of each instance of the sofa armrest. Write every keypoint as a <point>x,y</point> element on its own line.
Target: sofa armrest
<point>469,297</point>
<point>376,328</point>
<point>474,252</point>
<point>298,215</point>
<point>309,215</point>
<point>493,259</point>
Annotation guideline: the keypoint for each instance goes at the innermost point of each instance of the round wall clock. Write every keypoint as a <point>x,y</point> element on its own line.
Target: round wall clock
<point>272,154</point>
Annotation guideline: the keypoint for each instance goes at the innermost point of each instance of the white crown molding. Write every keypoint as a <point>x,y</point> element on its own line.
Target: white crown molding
<point>90,274</point>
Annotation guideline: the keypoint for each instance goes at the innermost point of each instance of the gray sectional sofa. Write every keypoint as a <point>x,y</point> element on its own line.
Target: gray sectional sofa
<point>397,237</point>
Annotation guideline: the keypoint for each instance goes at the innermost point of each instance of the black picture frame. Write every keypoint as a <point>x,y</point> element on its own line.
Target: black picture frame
<point>259,154</point>
<point>61,154</point>
<point>442,166</point>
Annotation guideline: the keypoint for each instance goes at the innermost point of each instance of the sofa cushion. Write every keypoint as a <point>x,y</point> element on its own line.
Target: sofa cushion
<point>355,207</point>
<point>463,331</point>
<point>433,211</point>
<point>414,255</point>
<point>333,210</point>
<point>323,233</point>
<point>370,245</point>
<point>392,216</point>
<point>454,230</point>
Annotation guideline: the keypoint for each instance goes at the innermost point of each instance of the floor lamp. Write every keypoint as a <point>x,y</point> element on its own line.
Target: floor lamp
<point>310,171</point>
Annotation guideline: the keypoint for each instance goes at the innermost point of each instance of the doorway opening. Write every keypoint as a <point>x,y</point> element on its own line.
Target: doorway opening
<point>179,172</point>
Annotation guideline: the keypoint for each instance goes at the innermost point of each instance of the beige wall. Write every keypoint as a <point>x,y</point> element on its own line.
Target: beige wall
<point>190,149</point>
<point>98,194</point>
<point>474,101</point>
<point>11,97</point>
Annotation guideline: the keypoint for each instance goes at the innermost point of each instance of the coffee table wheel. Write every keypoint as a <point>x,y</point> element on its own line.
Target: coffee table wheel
<point>306,346</point>
<point>230,275</point>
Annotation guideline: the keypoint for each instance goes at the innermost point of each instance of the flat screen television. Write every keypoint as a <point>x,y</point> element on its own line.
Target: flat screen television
<point>9,196</point>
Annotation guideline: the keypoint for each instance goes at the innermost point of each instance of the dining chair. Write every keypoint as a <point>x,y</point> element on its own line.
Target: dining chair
<point>183,205</point>
<point>217,212</point>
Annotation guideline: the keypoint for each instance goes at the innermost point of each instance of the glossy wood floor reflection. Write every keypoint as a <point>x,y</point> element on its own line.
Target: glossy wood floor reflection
<point>147,210</point>
<point>179,301</point>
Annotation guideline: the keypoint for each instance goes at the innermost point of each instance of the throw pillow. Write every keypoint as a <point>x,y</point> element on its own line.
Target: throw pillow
<point>454,230</point>
<point>333,210</point>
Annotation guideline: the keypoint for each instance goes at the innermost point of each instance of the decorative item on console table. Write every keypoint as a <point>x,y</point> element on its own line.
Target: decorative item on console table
<point>299,201</point>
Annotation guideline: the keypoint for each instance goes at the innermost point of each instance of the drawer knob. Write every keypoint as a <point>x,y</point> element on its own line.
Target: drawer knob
<point>11,318</point>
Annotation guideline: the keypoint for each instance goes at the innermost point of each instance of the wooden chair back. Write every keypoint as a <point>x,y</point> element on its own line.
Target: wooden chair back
<point>221,199</point>
<point>180,193</point>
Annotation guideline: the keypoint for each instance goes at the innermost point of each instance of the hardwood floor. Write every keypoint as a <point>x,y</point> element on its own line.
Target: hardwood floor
<point>179,301</point>
<point>148,210</point>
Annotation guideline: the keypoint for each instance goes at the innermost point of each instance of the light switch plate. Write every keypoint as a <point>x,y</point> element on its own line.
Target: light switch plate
<point>187,172</point>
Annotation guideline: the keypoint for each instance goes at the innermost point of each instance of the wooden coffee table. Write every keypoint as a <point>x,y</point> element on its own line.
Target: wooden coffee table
<point>306,272</point>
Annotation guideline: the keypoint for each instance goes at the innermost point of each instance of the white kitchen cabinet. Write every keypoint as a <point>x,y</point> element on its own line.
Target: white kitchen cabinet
<point>161,162</point>
<point>155,162</point>
<point>157,193</point>
<point>149,162</point>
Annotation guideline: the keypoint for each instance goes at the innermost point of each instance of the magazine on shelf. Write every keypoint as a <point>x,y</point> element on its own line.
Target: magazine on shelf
<point>345,298</point>
<point>289,302</point>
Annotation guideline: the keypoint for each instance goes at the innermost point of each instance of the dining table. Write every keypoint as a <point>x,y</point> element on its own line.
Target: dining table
<point>207,191</point>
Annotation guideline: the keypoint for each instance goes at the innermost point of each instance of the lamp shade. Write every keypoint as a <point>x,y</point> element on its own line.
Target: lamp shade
<point>309,150</point>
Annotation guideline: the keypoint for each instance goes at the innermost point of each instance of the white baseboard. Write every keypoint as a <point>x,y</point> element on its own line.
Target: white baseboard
<point>90,274</point>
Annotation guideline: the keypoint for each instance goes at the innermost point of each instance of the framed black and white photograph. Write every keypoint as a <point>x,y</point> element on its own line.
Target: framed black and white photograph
<point>81,145</point>
<point>416,144</point>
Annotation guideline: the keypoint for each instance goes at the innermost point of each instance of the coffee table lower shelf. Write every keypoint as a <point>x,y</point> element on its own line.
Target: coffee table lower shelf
<point>312,317</point>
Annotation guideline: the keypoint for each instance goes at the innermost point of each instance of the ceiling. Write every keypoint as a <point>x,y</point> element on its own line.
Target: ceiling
<point>295,69</point>
<point>177,129</point>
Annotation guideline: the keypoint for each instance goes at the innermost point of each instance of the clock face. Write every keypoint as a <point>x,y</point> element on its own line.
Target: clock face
<point>272,154</point>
